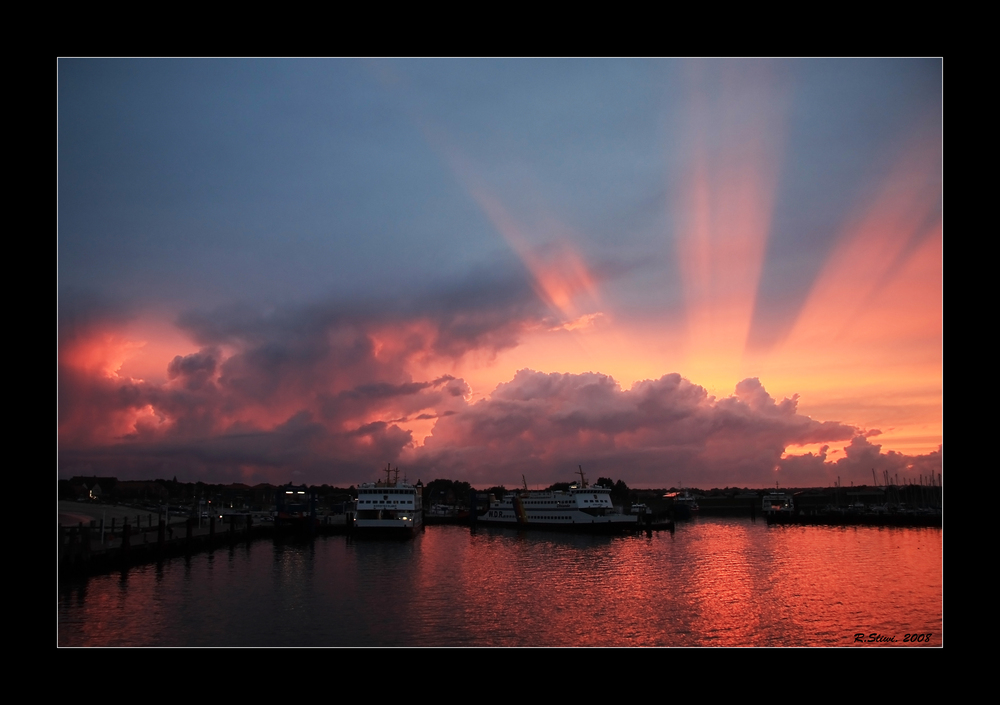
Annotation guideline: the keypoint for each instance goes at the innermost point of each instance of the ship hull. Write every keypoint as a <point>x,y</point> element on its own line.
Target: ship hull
<point>605,528</point>
<point>387,528</point>
<point>578,522</point>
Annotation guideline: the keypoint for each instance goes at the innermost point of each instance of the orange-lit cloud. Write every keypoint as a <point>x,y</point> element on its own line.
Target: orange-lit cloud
<point>90,362</point>
<point>325,400</point>
<point>277,390</point>
<point>102,351</point>
<point>665,430</point>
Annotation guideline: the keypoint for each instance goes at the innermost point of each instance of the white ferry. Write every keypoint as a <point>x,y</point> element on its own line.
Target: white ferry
<point>389,507</point>
<point>778,508</point>
<point>778,503</point>
<point>580,508</point>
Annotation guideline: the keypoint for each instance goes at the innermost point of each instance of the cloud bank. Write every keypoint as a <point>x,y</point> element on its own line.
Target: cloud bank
<point>324,394</point>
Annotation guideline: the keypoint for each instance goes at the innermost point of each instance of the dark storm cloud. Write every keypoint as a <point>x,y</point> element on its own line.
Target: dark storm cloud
<point>319,403</point>
<point>660,432</point>
<point>385,391</point>
<point>291,390</point>
<point>196,369</point>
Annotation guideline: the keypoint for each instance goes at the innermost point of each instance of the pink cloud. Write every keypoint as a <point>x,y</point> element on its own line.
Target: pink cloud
<point>659,432</point>
<point>315,396</point>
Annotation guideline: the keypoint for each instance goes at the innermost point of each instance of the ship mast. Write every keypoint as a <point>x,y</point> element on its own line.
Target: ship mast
<point>583,480</point>
<point>389,482</point>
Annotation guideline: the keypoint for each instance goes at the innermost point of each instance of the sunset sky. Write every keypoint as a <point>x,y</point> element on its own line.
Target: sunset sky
<point>704,273</point>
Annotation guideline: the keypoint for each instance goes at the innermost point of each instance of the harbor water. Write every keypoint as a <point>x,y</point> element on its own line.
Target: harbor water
<point>713,582</point>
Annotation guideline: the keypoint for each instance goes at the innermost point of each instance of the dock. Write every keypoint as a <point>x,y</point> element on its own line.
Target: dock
<point>131,537</point>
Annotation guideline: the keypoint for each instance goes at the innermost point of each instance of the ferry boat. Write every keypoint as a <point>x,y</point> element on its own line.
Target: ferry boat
<point>389,507</point>
<point>581,508</point>
<point>778,507</point>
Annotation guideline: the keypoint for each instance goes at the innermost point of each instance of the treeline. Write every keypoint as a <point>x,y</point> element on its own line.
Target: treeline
<point>111,489</point>
<point>439,491</point>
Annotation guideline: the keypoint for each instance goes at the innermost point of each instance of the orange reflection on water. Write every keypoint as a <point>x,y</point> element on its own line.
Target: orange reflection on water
<point>714,582</point>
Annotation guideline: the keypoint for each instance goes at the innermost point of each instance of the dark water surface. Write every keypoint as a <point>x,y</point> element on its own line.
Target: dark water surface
<point>715,582</point>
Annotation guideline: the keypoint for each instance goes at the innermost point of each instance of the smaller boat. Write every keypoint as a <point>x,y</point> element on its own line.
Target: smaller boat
<point>683,503</point>
<point>295,508</point>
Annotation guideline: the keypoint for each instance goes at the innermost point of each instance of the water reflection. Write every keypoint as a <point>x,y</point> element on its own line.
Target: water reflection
<point>716,582</point>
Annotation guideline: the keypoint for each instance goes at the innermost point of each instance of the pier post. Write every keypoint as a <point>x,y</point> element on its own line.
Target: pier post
<point>72,544</point>
<point>72,540</point>
<point>312,513</point>
<point>87,534</point>
<point>211,530</point>
<point>161,534</point>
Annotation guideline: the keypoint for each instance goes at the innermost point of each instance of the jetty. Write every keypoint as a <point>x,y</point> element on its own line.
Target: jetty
<point>124,537</point>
